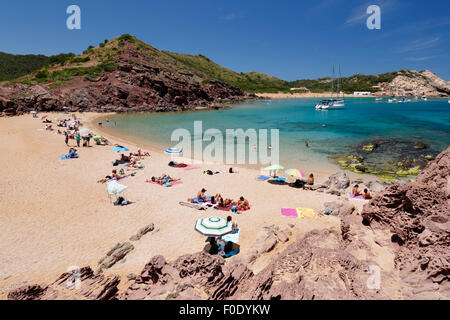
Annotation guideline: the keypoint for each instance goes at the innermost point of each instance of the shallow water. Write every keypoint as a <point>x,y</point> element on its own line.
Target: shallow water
<point>328,132</point>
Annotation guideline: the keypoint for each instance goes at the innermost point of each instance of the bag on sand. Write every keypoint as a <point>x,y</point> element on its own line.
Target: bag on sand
<point>120,201</point>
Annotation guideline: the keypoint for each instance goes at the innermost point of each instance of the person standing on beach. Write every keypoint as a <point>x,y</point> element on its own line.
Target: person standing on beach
<point>307,143</point>
<point>66,139</point>
<point>78,138</point>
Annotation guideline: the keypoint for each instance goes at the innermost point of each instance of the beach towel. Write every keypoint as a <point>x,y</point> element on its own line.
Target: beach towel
<point>189,168</point>
<point>263,178</point>
<point>69,156</point>
<point>289,212</point>
<point>193,205</point>
<point>230,254</point>
<point>233,237</point>
<point>352,196</point>
<point>172,183</point>
<point>306,213</point>
<point>278,179</point>
<point>196,200</point>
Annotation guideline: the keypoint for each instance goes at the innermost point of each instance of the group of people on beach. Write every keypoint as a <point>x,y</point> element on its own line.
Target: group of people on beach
<point>356,193</point>
<point>218,201</point>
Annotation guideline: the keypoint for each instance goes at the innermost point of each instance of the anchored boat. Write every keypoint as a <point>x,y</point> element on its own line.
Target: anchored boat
<point>335,102</point>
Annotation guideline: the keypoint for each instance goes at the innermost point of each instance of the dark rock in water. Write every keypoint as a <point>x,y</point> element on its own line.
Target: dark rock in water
<point>387,158</point>
<point>420,145</point>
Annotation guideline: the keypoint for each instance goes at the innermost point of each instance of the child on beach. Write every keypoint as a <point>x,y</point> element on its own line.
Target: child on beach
<point>78,138</point>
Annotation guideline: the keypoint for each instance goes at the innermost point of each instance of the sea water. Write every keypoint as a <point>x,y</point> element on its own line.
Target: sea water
<point>327,132</point>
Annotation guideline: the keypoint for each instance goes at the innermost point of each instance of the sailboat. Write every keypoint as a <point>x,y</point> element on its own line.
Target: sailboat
<point>334,103</point>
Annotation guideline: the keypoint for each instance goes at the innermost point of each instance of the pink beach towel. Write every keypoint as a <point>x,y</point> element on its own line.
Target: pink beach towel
<point>289,212</point>
<point>189,168</point>
<point>352,196</point>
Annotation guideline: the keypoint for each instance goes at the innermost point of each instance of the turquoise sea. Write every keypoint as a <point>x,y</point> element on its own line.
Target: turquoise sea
<point>328,132</point>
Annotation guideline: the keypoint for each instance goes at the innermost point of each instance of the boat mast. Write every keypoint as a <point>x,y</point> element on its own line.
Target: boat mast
<point>332,83</point>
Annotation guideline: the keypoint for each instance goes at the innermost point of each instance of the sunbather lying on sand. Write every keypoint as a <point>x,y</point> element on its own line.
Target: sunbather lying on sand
<point>221,203</point>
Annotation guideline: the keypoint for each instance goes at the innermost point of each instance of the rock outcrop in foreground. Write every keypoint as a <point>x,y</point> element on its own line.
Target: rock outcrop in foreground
<point>396,249</point>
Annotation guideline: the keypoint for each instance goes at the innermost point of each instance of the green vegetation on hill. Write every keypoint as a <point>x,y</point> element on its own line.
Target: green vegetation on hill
<point>250,82</point>
<point>358,82</point>
<point>14,66</point>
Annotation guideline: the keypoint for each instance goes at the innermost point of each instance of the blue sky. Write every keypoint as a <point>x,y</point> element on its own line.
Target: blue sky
<point>288,39</point>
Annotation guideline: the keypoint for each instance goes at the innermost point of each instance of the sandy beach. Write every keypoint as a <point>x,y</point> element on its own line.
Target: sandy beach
<point>55,215</point>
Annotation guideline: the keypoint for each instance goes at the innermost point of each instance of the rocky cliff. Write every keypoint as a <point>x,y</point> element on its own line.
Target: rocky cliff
<point>396,249</point>
<point>124,74</point>
<point>415,84</point>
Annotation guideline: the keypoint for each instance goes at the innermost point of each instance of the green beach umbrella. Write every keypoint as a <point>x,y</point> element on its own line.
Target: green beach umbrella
<point>274,167</point>
<point>98,137</point>
<point>213,227</point>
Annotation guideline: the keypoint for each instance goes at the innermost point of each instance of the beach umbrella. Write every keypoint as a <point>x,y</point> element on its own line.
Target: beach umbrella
<point>295,173</point>
<point>213,227</point>
<point>84,132</point>
<point>119,149</point>
<point>114,189</point>
<point>33,112</point>
<point>173,151</point>
<point>274,168</point>
<point>98,137</point>
<point>70,123</point>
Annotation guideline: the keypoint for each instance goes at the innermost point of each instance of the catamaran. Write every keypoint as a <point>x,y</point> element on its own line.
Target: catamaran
<point>334,103</point>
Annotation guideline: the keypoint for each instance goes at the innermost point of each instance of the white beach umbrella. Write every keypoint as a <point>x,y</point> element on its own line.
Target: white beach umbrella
<point>114,189</point>
<point>213,227</point>
<point>33,112</point>
<point>84,132</point>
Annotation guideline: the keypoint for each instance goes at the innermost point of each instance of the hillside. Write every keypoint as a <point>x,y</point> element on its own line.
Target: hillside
<point>124,74</point>
<point>15,66</point>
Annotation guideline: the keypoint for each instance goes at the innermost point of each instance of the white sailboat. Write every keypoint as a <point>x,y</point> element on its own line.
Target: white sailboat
<point>334,103</point>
